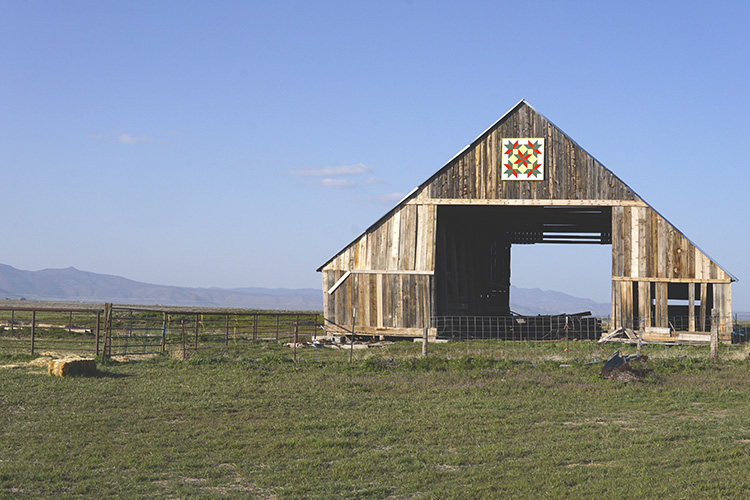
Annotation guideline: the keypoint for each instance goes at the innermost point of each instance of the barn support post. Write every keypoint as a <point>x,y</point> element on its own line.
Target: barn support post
<point>714,334</point>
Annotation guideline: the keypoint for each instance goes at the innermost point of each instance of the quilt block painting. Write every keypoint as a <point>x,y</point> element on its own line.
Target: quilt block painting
<point>523,159</point>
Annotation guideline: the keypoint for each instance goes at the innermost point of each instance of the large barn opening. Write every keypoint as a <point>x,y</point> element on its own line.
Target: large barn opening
<point>473,254</point>
<point>555,279</point>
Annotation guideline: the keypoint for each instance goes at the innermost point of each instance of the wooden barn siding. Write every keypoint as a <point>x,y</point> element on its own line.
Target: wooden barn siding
<point>570,173</point>
<point>648,253</point>
<point>405,241</point>
<point>391,267</point>
<point>392,301</point>
<point>645,245</point>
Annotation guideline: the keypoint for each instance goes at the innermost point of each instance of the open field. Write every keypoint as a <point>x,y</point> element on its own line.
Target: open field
<point>250,423</point>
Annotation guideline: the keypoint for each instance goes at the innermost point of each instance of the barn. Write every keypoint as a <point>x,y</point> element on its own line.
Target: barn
<point>444,250</point>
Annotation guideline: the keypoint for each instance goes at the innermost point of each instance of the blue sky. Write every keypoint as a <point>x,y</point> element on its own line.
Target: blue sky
<point>239,144</point>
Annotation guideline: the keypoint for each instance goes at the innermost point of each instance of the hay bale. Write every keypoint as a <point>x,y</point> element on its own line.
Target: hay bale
<point>72,365</point>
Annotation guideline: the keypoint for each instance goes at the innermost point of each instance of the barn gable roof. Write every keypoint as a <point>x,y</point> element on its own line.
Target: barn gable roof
<point>573,175</point>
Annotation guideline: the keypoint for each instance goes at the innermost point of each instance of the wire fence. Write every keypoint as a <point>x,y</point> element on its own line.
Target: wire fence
<point>133,331</point>
<point>114,331</point>
<point>35,330</point>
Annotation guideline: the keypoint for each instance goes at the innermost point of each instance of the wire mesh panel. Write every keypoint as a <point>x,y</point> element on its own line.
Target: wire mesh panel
<point>134,331</point>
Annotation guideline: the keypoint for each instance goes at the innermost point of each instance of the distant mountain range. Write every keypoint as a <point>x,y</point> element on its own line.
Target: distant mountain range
<point>73,285</point>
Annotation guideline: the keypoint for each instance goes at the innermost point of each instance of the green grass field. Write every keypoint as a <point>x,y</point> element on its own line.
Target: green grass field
<point>249,423</point>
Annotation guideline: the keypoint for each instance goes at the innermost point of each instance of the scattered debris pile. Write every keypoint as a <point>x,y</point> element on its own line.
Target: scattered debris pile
<point>337,342</point>
<point>624,368</point>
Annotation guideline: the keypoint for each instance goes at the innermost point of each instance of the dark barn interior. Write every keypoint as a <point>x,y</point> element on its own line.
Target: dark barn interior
<point>472,266</point>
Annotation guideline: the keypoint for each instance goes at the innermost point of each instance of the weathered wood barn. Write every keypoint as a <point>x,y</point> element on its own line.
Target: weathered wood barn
<point>444,250</point>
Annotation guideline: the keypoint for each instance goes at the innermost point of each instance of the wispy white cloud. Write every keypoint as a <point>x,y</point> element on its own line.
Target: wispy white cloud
<point>374,181</point>
<point>335,183</point>
<point>122,138</point>
<point>129,139</point>
<point>340,171</point>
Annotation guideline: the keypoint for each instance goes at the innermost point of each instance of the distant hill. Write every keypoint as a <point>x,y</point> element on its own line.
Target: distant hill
<point>533,301</point>
<point>73,285</point>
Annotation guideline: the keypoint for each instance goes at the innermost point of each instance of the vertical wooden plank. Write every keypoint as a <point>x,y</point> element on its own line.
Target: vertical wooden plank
<point>635,242</point>
<point>718,305</point>
<point>726,313</point>
<point>618,239</point>
<point>662,304</point>
<point>626,298</point>
<point>431,245</point>
<point>644,302</point>
<point>703,309</point>
<point>691,307</point>
<point>627,241</point>
<point>364,287</point>
<point>669,244</point>
<point>661,249</point>
<point>494,159</point>
<point>420,252</point>
<point>616,318</point>
<point>393,247</point>
<point>643,236</point>
<point>412,248</point>
<point>479,151</point>
<point>379,299</point>
<point>653,260</point>
<point>327,313</point>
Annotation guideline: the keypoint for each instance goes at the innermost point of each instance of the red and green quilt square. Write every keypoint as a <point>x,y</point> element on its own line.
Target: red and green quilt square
<point>523,159</point>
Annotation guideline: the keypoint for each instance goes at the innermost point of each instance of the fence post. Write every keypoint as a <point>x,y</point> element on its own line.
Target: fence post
<point>255,327</point>
<point>714,334</point>
<point>196,332</point>
<point>226,330</point>
<point>107,330</point>
<point>184,354</point>
<point>96,336</point>
<point>424,342</point>
<point>296,337</point>
<point>163,331</point>
<point>33,327</point>
<point>351,349</point>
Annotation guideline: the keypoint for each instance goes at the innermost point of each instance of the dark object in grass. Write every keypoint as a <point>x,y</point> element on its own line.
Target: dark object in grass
<point>620,367</point>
